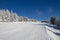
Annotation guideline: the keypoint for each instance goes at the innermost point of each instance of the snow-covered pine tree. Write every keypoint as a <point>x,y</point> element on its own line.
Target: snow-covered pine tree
<point>10,16</point>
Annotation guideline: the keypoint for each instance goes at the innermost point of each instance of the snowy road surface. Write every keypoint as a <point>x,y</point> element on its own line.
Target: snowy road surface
<point>22,31</point>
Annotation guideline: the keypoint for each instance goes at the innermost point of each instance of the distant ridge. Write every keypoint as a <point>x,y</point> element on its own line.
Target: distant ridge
<point>10,16</point>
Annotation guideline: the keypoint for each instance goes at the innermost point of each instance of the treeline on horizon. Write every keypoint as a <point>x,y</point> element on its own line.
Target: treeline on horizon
<point>10,16</point>
<point>54,21</point>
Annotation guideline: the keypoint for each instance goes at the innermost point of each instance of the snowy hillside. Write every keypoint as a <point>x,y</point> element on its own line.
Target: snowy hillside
<point>14,27</point>
<point>23,31</point>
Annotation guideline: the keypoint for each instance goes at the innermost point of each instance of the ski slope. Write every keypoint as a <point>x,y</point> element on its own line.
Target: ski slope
<point>23,31</point>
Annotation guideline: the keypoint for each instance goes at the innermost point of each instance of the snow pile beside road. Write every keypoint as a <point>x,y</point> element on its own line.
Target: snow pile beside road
<point>54,32</point>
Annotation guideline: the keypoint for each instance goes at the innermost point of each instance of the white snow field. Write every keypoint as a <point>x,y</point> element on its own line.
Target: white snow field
<point>27,31</point>
<point>22,31</point>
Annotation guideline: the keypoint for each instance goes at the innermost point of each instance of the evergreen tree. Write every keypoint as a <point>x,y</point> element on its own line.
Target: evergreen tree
<point>53,20</point>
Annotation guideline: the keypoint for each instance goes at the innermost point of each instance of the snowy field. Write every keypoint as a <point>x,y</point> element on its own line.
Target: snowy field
<point>24,31</point>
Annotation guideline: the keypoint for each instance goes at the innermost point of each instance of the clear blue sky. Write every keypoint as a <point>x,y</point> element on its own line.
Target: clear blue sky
<point>36,9</point>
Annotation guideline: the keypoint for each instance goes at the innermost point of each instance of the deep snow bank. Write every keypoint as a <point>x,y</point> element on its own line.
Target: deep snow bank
<point>22,31</point>
<point>53,32</point>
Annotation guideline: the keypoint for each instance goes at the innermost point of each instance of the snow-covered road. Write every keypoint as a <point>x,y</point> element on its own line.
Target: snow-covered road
<point>22,31</point>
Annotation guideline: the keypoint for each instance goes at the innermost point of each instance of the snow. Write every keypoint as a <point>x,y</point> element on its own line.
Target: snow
<point>53,32</point>
<point>14,27</point>
<point>28,31</point>
<point>22,31</point>
<point>10,16</point>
